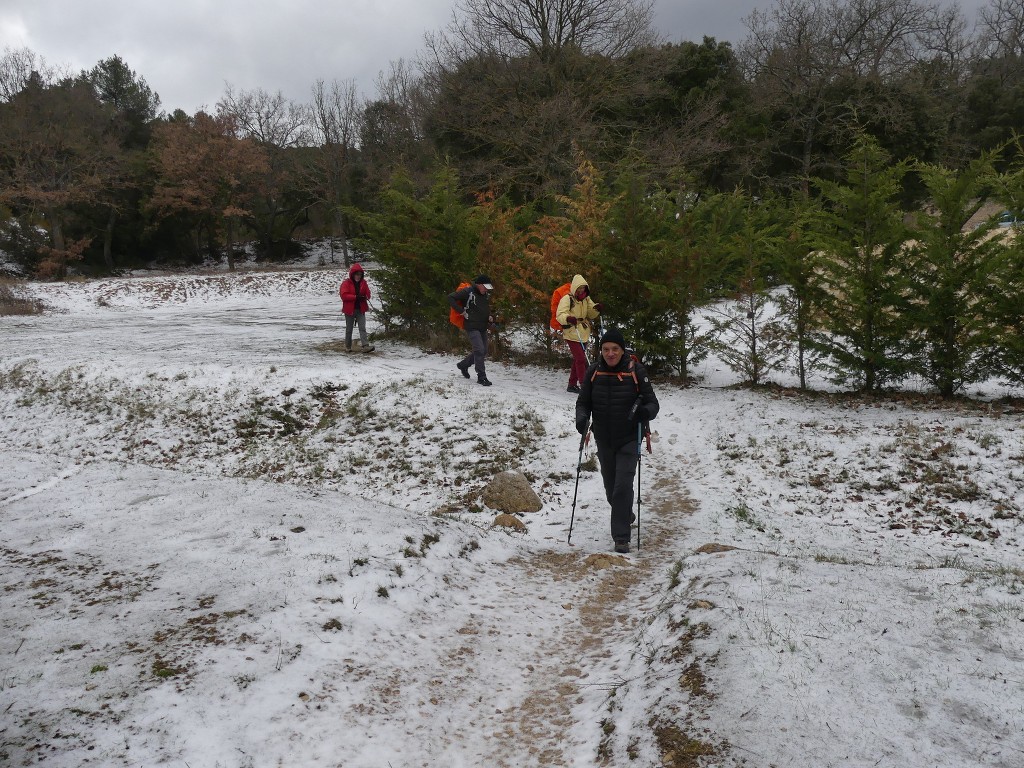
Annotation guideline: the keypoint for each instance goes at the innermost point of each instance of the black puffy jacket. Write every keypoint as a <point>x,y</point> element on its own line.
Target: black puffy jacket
<point>477,304</point>
<point>607,396</point>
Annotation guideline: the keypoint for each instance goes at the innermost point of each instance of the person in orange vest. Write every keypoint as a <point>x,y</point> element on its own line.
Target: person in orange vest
<point>618,396</point>
<point>575,312</point>
<point>355,300</point>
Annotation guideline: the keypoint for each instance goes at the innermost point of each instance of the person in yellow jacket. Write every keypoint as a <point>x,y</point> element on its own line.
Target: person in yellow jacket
<point>575,312</point>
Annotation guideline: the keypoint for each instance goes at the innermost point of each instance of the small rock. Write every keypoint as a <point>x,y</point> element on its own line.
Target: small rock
<point>601,561</point>
<point>711,549</point>
<point>512,522</point>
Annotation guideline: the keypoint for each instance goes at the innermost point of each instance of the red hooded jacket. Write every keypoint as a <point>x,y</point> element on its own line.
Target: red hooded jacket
<point>355,296</point>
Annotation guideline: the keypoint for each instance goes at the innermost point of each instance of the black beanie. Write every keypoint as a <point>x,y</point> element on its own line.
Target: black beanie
<point>614,336</point>
<point>482,279</point>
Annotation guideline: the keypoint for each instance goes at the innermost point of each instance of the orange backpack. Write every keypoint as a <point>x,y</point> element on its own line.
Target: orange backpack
<point>556,297</point>
<point>454,316</point>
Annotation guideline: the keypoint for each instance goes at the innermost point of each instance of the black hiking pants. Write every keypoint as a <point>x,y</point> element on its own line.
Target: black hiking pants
<point>618,466</point>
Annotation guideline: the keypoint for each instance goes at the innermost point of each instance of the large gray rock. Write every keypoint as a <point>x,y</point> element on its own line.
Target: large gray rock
<point>511,492</point>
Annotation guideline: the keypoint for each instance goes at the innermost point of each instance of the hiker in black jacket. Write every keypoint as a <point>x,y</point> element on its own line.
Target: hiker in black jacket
<point>474,304</point>
<point>618,396</point>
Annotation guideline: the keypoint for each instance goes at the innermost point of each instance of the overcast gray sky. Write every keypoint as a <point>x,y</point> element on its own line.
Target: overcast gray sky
<point>187,50</point>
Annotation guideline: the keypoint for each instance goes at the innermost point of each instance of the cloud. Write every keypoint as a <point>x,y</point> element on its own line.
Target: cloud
<point>692,20</point>
<point>187,50</point>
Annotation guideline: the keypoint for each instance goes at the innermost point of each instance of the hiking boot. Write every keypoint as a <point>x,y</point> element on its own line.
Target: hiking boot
<point>622,547</point>
<point>348,347</point>
<point>368,348</point>
<point>483,380</point>
<point>465,371</point>
<point>573,388</point>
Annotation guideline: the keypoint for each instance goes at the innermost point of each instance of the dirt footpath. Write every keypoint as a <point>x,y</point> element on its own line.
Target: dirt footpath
<point>572,674</point>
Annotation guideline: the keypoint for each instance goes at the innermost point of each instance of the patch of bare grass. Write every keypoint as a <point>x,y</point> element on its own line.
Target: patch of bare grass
<point>13,304</point>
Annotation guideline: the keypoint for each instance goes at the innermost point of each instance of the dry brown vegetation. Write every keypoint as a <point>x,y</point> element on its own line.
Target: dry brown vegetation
<point>12,304</point>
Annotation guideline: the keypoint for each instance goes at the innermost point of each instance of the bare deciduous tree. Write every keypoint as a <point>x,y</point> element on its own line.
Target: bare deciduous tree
<point>393,131</point>
<point>946,39</point>
<point>16,68</point>
<point>557,34</point>
<point>269,118</point>
<point>278,125</point>
<point>515,83</point>
<point>403,86</point>
<point>546,28</point>
<point>336,118</point>
<point>798,50</point>
<point>1001,35</point>
<point>807,41</point>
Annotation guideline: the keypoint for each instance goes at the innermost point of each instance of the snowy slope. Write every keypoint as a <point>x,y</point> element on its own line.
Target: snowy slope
<point>226,543</point>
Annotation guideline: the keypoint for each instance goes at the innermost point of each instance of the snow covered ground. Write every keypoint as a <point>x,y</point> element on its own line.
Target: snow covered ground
<point>228,543</point>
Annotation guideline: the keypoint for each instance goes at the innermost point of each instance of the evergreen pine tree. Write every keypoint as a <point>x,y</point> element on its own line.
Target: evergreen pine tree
<point>424,246</point>
<point>793,262</point>
<point>640,224</point>
<point>950,270</point>
<point>859,272</point>
<point>746,333</point>
<point>1006,285</point>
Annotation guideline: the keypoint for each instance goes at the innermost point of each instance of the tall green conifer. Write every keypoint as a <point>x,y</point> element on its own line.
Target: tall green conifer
<point>951,270</point>
<point>1007,282</point>
<point>640,223</point>
<point>859,272</point>
<point>424,247</point>
<point>746,333</point>
<point>793,263</point>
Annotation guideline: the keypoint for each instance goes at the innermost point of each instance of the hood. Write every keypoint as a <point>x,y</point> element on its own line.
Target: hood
<point>577,282</point>
<point>355,268</point>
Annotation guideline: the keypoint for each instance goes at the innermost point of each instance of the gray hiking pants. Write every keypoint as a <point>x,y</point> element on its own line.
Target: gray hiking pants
<point>351,320</point>
<point>479,341</point>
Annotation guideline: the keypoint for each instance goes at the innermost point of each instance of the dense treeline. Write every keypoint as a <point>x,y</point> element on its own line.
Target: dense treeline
<point>832,165</point>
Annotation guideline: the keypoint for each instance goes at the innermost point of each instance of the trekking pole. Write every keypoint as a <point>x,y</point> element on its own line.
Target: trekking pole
<point>579,340</point>
<point>639,464</point>
<point>579,466</point>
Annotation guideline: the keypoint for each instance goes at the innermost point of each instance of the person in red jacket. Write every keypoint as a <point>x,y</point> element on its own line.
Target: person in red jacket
<point>355,300</point>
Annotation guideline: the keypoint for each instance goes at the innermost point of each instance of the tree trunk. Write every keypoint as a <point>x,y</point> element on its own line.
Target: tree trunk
<point>801,331</point>
<point>108,240</point>
<point>231,245</point>
<point>56,231</point>
<point>345,255</point>
<point>211,242</point>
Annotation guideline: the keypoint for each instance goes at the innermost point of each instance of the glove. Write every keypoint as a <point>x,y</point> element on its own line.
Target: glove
<point>634,409</point>
<point>598,306</point>
<point>639,412</point>
<point>571,320</point>
<point>582,425</point>
<point>642,413</point>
